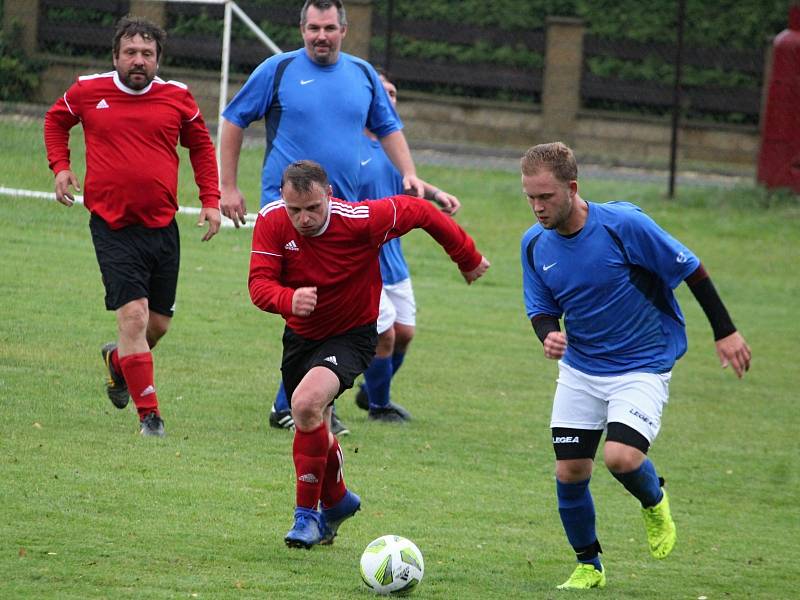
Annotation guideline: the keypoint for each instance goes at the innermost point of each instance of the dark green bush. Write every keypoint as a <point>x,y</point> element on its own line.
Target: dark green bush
<point>19,76</point>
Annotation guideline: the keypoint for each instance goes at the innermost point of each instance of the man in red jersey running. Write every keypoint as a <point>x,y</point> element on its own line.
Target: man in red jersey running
<point>132,121</point>
<point>314,261</point>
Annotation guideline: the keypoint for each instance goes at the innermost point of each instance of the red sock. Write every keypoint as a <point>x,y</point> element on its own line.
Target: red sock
<point>333,487</point>
<point>138,372</point>
<point>310,453</point>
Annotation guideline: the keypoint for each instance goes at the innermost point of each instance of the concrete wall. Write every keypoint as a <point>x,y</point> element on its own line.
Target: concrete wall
<point>503,125</point>
<point>612,136</point>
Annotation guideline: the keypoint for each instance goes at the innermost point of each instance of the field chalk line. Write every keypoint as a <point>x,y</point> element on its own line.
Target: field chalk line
<point>189,210</point>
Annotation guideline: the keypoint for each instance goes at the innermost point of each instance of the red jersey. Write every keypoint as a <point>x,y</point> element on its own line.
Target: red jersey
<point>131,138</point>
<point>341,260</point>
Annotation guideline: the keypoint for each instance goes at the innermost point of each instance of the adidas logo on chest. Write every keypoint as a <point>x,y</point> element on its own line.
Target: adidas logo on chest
<point>292,246</point>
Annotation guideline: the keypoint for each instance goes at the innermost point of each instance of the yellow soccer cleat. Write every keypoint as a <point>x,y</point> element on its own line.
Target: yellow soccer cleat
<point>584,577</point>
<point>661,534</point>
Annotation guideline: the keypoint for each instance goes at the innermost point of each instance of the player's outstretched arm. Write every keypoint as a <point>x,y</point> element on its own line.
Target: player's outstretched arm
<point>470,276</point>
<point>210,215</point>
<point>64,180</point>
<point>734,351</point>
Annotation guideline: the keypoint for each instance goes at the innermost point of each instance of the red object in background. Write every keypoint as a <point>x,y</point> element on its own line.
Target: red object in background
<point>779,158</point>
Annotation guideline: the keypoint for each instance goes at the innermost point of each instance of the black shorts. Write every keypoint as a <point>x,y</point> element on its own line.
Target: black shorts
<point>347,355</point>
<point>138,262</point>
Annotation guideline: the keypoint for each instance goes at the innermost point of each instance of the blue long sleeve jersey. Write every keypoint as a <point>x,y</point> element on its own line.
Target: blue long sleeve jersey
<point>613,283</point>
<point>379,179</point>
<point>315,112</point>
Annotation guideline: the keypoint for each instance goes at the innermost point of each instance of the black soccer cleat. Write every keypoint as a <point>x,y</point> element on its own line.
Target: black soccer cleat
<point>281,419</point>
<point>362,400</point>
<point>337,427</point>
<point>391,413</point>
<point>152,426</point>
<point>116,388</point>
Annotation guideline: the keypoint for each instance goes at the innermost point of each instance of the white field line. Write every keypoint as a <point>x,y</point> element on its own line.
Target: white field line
<point>189,210</point>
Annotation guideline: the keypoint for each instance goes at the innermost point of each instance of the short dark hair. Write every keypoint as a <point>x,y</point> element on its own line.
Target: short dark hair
<point>130,26</point>
<point>323,5</point>
<point>303,174</point>
<point>556,157</point>
<point>384,74</point>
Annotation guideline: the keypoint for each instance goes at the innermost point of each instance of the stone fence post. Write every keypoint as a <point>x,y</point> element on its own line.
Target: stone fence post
<point>561,89</point>
<point>153,11</point>
<point>359,27</point>
<point>24,13</point>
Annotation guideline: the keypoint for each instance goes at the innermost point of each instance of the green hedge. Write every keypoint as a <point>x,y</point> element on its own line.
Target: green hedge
<point>19,75</point>
<point>741,24</point>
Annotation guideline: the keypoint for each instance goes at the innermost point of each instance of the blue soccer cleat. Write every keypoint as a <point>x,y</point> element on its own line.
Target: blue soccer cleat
<point>334,516</point>
<point>309,527</point>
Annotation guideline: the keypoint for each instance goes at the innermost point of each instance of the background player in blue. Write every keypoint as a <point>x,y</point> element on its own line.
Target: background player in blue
<point>396,322</point>
<point>609,270</point>
<point>315,101</point>
<point>397,318</point>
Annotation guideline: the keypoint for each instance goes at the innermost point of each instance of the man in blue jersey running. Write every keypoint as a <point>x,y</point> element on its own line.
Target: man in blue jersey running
<point>609,270</point>
<point>397,318</point>
<point>315,101</point>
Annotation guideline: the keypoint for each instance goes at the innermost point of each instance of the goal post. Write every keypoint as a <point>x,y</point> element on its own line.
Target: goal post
<point>230,9</point>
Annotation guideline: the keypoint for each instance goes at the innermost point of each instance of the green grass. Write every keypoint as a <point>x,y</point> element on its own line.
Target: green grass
<point>91,510</point>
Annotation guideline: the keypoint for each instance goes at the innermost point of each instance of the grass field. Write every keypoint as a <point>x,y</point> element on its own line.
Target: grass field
<point>91,510</point>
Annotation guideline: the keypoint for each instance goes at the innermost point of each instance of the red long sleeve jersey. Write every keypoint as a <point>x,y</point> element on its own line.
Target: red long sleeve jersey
<point>342,260</point>
<point>131,138</point>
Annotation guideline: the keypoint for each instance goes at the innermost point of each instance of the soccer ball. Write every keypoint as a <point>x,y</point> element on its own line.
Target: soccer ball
<point>392,565</point>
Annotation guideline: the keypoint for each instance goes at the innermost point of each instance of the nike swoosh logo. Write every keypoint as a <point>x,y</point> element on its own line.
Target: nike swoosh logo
<point>364,162</point>
<point>305,81</point>
<point>548,267</point>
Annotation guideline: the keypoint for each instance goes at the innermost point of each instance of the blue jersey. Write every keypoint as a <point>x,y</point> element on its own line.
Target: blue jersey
<point>379,179</point>
<point>295,95</point>
<point>613,283</point>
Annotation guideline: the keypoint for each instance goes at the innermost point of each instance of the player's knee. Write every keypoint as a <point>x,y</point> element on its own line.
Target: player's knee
<point>304,411</point>
<point>386,343</point>
<point>403,334</point>
<point>157,326</point>
<point>574,470</point>
<point>132,318</point>
<point>623,461</point>
<point>625,448</point>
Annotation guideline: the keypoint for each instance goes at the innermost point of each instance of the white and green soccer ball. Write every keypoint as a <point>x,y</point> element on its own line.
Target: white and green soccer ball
<point>392,565</point>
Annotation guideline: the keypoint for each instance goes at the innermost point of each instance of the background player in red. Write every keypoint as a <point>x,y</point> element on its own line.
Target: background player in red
<point>314,261</point>
<point>132,121</point>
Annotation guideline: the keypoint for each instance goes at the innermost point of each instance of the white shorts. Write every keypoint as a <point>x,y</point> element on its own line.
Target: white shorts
<point>590,402</point>
<point>397,305</point>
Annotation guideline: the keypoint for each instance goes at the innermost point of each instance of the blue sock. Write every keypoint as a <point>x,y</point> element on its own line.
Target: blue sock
<point>576,508</point>
<point>377,378</point>
<point>281,403</point>
<point>643,483</point>
<point>397,361</point>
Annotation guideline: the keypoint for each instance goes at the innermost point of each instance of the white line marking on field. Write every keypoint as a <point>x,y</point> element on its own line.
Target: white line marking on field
<point>189,210</point>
